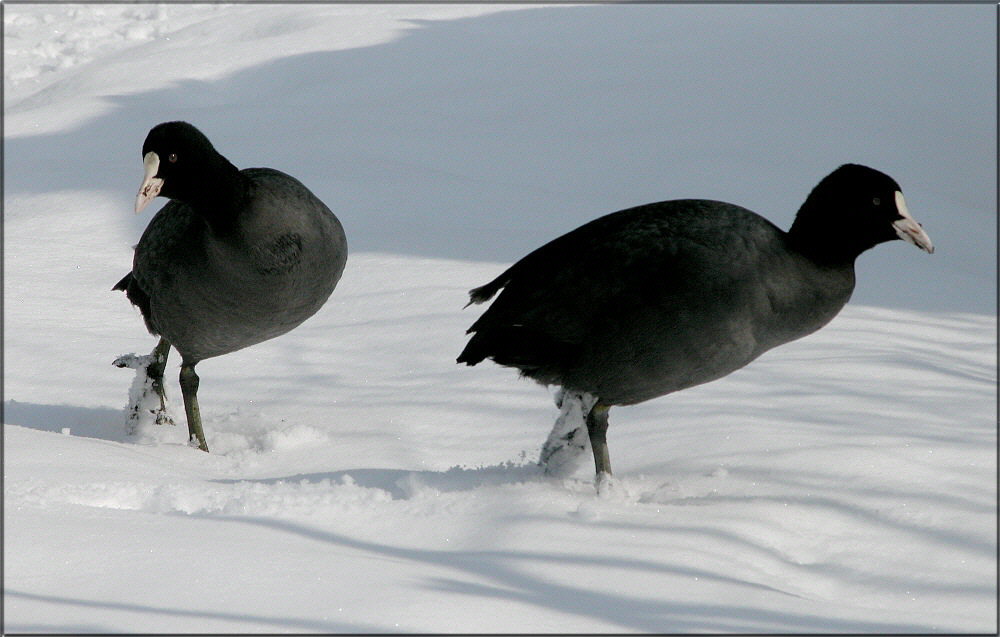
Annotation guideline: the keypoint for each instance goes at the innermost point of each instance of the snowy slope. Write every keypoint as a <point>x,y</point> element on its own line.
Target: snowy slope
<point>360,480</point>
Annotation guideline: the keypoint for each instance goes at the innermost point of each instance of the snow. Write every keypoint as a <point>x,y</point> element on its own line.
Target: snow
<point>360,480</point>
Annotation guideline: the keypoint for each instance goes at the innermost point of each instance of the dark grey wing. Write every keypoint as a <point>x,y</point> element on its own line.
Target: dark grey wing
<point>169,231</point>
<point>138,297</point>
<point>613,284</point>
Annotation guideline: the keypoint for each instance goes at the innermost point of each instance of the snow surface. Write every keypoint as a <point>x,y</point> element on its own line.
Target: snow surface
<point>360,480</point>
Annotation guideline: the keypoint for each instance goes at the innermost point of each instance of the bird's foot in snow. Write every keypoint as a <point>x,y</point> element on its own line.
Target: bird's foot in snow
<point>132,361</point>
<point>563,454</point>
<point>606,485</point>
<point>609,487</point>
<point>147,402</point>
<point>566,448</point>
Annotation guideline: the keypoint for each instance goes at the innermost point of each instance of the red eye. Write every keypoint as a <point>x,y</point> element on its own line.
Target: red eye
<point>172,158</point>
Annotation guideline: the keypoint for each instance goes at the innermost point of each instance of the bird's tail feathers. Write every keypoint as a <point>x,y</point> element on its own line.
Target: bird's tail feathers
<point>486,292</point>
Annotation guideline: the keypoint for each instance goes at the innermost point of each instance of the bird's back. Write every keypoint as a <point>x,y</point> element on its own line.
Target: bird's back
<point>650,300</point>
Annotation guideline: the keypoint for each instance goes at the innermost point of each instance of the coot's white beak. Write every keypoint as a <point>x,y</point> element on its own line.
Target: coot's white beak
<point>908,229</point>
<point>150,184</point>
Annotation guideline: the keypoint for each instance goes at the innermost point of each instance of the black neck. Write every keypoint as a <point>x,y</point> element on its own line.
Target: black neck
<point>826,242</point>
<point>221,196</point>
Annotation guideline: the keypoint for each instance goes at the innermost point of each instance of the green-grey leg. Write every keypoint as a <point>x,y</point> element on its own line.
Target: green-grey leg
<point>597,428</point>
<point>155,373</point>
<point>189,388</point>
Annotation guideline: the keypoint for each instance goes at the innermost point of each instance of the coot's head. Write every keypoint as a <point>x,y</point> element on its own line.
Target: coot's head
<point>178,162</point>
<point>853,209</point>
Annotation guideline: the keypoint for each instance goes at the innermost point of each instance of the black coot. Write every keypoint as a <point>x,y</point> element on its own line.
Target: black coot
<point>658,298</point>
<point>235,258</point>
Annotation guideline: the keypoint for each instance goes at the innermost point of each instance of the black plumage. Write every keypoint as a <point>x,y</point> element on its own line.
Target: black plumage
<point>651,300</point>
<point>235,258</point>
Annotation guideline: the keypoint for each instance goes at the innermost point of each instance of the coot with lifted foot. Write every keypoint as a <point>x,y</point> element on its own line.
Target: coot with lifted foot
<point>235,258</point>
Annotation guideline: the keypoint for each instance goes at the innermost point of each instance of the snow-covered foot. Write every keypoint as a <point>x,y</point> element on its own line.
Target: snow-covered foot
<point>133,361</point>
<point>147,403</point>
<point>567,446</point>
<point>563,456</point>
<point>607,487</point>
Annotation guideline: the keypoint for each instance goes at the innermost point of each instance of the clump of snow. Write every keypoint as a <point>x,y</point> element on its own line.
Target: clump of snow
<point>145,406</point>
<point>567,447</point>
